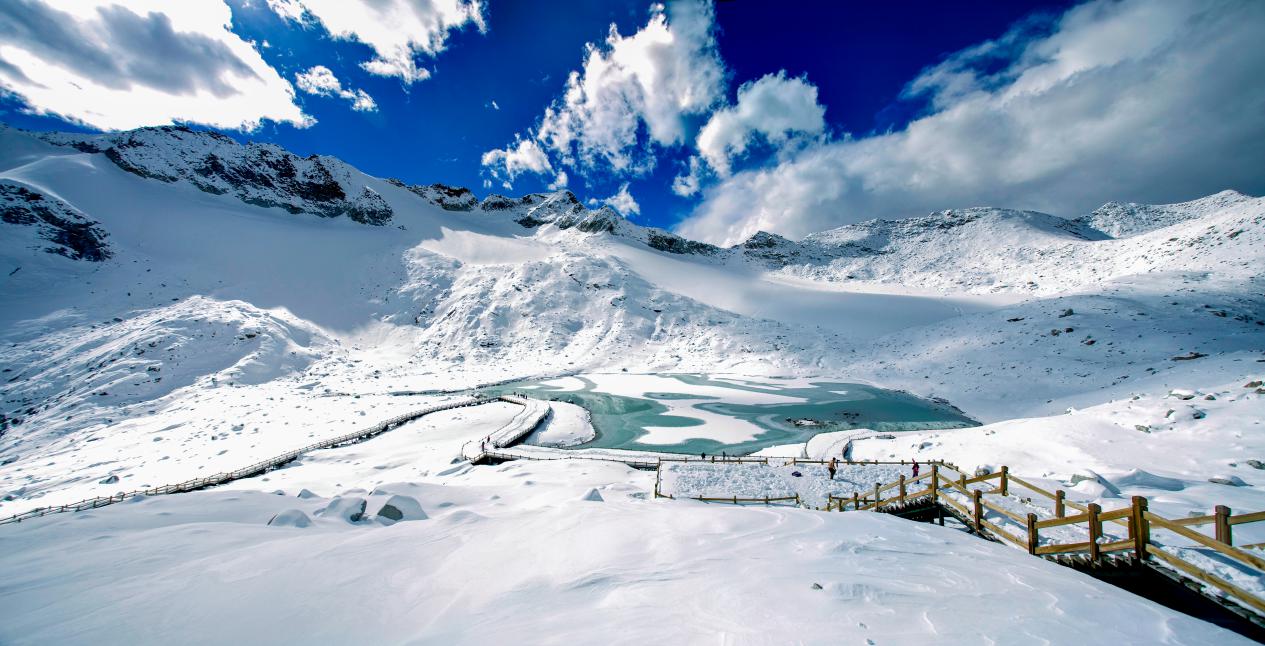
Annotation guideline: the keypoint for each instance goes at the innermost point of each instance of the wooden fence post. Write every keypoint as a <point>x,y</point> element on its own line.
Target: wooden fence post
<point>935,482</point>
<point>1222,523</point>
<point>1005,480</point>
<point>962,480</point>
<point>1060,510</point>
<point>902,488</point>
<point>876,495</point>
<point>1095,532</point>
<point>1032,533</point>
<point>979,510</point>
<point>1140,528</point>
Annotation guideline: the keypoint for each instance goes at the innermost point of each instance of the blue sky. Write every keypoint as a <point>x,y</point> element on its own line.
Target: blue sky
<point>855,110</point>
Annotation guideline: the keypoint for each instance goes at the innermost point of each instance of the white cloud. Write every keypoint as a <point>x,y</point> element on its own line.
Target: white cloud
<point>523,156</point>
<point>689,183</point>
<point>396,30</point>
<point>559,181</point>
<point>1133,100</point>
<point>658,77</point>
<point>621,201</point>
<point>113,67</point>
<point>319,80</point>
<point>774,108</point>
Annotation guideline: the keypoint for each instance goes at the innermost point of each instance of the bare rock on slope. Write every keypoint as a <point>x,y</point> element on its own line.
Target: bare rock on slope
<point>65,230</point>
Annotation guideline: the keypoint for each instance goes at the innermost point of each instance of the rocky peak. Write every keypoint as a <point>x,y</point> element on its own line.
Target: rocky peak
<point>1124,219</point>
<point>449,198</point>
<point>260,174</point>
<point>765,240</point>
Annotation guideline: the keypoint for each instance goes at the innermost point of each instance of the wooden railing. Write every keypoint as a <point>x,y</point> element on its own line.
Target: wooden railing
<point>244,472</point>
<point>1140,525</point>
<point>658,493</point>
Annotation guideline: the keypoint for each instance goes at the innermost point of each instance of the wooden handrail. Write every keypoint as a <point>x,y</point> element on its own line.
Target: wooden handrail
<point>1003,533</point>
<point>1005,512</point>
<point>1027,485</point>
<point>1194,521</point>
<point>1233,552</point>
<point>1063,548</point>
<point>1186,568</point>
<point>1253,517</point>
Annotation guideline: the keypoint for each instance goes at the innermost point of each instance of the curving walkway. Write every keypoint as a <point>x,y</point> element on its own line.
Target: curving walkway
<point>249,471</point>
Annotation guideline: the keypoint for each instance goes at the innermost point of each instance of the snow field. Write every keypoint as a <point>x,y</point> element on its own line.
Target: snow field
<point>522,551</point>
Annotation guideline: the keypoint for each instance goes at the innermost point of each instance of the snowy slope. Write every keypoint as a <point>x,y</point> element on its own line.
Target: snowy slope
<point>1121,220</point>
<point>539,553</point>
<point>175,304</point>
<point>997,250</point>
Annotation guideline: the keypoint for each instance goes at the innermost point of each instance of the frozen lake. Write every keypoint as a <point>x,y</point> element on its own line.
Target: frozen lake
<point>686,413</point>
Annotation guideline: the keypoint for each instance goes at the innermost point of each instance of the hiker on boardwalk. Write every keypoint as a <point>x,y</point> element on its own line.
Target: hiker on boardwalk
<point>832,467</point>
<point>915,468</point>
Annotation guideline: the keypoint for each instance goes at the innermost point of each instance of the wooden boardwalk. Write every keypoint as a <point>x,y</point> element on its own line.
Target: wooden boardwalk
<point>1010,509</point>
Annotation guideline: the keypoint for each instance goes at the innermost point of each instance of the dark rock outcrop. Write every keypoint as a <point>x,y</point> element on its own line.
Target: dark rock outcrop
<point>71,233</point>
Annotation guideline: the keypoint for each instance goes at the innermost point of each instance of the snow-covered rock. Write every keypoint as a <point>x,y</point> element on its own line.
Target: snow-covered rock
<point>290,518</point>
<point>34,220</point>
<point>259,174</point>
<point>348,508</point>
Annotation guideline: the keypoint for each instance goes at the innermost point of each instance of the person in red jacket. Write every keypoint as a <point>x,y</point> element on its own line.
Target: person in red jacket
<point>915,468</point>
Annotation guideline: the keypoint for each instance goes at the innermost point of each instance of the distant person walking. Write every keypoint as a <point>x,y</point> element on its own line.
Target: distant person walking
<point>915,468</point>
<point>833,467</point>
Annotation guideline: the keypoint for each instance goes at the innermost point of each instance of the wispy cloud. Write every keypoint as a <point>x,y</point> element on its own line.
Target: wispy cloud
<point>398,31</point>
<point>320,80</point>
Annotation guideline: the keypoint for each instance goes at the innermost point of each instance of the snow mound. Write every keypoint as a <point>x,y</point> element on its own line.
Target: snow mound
<point>290,518</point>
<point>400,508</point>
<point>1140,478</point>
<point>348,508</point>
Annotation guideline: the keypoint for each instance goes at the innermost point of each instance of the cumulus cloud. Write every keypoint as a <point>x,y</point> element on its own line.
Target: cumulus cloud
<point>523,156</point>
<point>621,201</point>
<point>658,77</point>
<point>114,67</point>
<point>688,183</point>
<point>1131,100</point>
<point>773,108</point>
<point>396,30</point>
<point>319,80</point>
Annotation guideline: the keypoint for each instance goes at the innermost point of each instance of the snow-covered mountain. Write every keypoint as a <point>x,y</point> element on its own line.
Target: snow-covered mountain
<point>1121,220</point>
<point>158,276</point>
<point>176,304</point>
<point>985,250</point>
